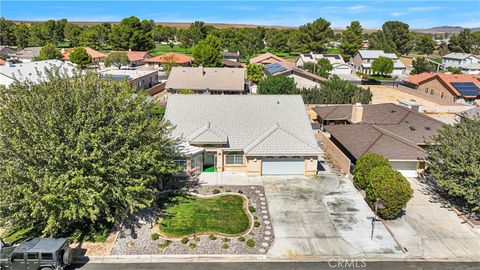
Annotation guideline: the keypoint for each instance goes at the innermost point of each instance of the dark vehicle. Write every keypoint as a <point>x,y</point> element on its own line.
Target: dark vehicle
<point>36,254</point>
<point>370,81</point>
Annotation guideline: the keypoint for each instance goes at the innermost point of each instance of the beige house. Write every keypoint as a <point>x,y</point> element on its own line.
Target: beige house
<point>363,59</point>
<point>259,135</point>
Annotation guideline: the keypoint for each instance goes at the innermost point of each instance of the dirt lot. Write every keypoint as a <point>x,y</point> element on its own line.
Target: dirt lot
<point>385,94</point>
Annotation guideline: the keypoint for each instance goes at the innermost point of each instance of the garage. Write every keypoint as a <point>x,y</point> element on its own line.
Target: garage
<point>406,168</point>
<point>283,165</point>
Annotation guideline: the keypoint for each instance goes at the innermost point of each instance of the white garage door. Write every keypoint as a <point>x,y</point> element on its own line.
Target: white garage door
<point>406,168</point>
<point>283,165</point>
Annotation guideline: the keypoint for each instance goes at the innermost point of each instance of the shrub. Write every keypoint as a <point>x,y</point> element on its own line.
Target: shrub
<point>228,190</point>
<point>256,223</point>
<point>250,243</point>
<point>240,192</point>
<point>251,209</point>
<point>225,240</point>
<point>364,165</point>
<point>212,237</point>
<point>154,236</point>
<point>192,245</point>
<point>225,246</point>
<point>216,191</point>
<point>392,188</point>
<point>165,244</point>
<point>241,239</point>
<point>196,239</point>
<point>184,240</point>
<point>255,218</point>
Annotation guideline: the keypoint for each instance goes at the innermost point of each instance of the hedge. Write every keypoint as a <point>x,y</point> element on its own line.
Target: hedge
<point>391,187</point>
<point>364,165</point>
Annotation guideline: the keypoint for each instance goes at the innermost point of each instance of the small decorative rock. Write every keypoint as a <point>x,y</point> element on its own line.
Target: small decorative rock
<point>264,212</point>
<point>264,244</point>
<point>268,233</point>
<point>267,223</point>
<point>261,195</point>
<point>262,250</point>
<point>266,238</point>
<point>263,207</point>
<point>262,203</point>
<point>257,191</point>
<point>262,199</point>
<point>268,227</point>
<point>265,217</point>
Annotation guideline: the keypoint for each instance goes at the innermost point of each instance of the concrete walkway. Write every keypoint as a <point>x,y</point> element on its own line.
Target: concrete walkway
<point>428,230</point>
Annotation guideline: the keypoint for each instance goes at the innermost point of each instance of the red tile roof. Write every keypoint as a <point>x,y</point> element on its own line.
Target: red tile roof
<point>135,55</point>
<point>267,58</point>
<point>2,62</point>
<point>93,53</point>
<point>446,79</point>
<point>172,57</point>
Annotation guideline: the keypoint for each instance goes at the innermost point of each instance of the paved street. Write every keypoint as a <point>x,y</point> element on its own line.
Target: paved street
<point>288,266</point>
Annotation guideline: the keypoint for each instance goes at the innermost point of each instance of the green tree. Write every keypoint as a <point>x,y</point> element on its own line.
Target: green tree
<point>90,37</point>
<point>364,165</point>
<point>72,33</point>
<point>391,188</point>
<point>336,91</point>
<point>425,44</point>
<point>117,59</point>
<point>49,51</point>
<point>315,35</point>
<point>21,33</point>
<point>36,35</point>
<point>400,34</point>
<point>277,40</point>
<point>454,70</point>
<point>80,57</point>
<point>382,65</point>
<point>421,65</point>
<point>7,36</point>
<point>162,33</point>
<point>453,164</point>
<point>251,41</point>
<point>132,34</point>
<point>463,42</point>
<point>207,52</point>
<point>255,72</point>
<point>277,85</point>
<point>321,68</point>
<point>351,39</point>
<point>185,37</point>
<point>91,158</point>
<point>378,41</point>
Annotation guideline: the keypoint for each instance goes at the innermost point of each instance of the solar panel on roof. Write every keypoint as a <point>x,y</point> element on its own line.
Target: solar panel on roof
<point>274,68</point>
<point>466,88</point>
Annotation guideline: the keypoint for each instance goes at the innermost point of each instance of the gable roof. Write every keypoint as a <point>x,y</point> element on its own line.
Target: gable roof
<point>171,57</point>
<point>27,53</point>
<point>471,113</point>
<point>359,139</point>
<point>134,56</point>
<point>458,56</point>
<point>286,68</point>
<point>374,54</point>
<point>258,124</point>
<point>93,53</point>
<point>334,59</point>
<point>267,58</point>
<point>445,79</point>
<point>203,78</point>
<point>35,71</point>
<point>208,135</point>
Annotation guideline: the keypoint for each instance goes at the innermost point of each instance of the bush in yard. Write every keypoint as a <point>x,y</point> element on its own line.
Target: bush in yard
<point>165,244</point>
<point>252,209</point>
<point>250,243</point>
<point>225,240</point>
<point>212,237</point>
<point>225,246</point>
<point>241,239</point>
<point>391,187</point>
<point>216,191</point>
<point>277,85</point>
<point>364,165</point>
<point>154,236</point>
<point>93,155</point>
<point>184,240</point>
<point>192,245</point>
<point>256,223</point>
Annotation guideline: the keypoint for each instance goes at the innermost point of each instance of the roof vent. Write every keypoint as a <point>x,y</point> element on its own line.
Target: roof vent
<point>427,128</point>
<point>412,128</point>
<point>393,111</point>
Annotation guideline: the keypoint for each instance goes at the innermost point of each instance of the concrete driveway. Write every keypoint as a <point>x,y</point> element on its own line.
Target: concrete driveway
<point>431,231</point>
<point>322,216</point>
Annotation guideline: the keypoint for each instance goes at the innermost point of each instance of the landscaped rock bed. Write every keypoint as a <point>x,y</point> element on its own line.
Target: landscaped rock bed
<point>139,240</point>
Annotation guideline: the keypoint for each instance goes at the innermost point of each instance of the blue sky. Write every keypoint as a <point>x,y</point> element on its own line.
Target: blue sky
<point>372,14</point>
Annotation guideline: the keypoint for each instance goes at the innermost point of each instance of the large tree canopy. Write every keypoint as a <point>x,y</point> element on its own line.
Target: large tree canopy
<point>352,40</point>
<point>315,35</point>
<point>399,33</point>
<point>79,154</point>
<point>454,163</point>
<point>336,91</point>
<point>207,52</point>
<point>132,34</point>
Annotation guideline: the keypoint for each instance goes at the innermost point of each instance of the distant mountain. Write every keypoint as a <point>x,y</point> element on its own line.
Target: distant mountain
<point>444,29</point>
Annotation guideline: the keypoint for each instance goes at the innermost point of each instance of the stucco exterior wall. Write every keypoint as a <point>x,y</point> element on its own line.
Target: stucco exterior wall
<point>311,164</point>
<point>425,89</point>
<point>254,166</point>
<point>339,158</point>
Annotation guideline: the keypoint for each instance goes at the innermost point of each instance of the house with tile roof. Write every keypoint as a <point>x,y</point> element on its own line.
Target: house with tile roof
<point>175,58</point>
<point>303,78</point>
<point>267,58</point>
<point>338,64</point>
<point>26,55</point>
<point>207,80</point>
<point>363,59</point>
<point>396,132</point>
<point>447,88</point>
<point>97,56</point>
<point>136,58</point>
<point>257,134</point>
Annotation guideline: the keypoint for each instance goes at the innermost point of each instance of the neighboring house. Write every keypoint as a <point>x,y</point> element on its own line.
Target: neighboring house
<point>31,71</point>
<point>26,55</point>
<point>256,134</point>
<point>204,80</point>
<point>97,56</point>
<point>141,79</point>
<point>473,113</point>
<point>302,78</point>
<point>5,51</point>
<point>338,64</point>
<point>470,68</point>
<point>396,132</point>
<point>457,60</point>
<point>267,58</point>
<point>136,58</point>
<point>363,59</point>
<point>453,88</point>
<point>231,56</point>
<point>179,59</point>
<point>230,63</point>
<point>2,62</point>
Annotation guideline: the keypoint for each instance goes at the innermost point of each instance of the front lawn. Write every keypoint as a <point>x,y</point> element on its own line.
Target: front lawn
<point>188,214</point>
<point>164,48</point>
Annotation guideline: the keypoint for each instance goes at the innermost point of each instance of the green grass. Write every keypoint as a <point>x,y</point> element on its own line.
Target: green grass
<point>192,215</point>
<point>210,169</point>
<point>333,51</point>
<point>164,48</point>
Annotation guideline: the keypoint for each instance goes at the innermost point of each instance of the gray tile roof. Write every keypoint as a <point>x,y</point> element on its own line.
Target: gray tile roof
<point>203,78</point>
<point>458,56</point>
<point>471,113</point>
<point>258,124</point>
<point>35,71</point>
<point>374,54</point>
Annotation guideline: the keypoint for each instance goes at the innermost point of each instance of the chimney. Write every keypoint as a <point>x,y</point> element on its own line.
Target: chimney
<point>357,113</point>
<point>129,49</point>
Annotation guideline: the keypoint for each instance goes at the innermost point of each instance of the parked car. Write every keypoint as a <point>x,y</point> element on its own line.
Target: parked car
<point>370,81</point>
<point>36,254</point>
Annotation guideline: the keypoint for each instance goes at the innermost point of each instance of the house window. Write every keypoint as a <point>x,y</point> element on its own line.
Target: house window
<point>432,91</point>
<point>181,163</point>
<point>426,90</point>
<point>234,158</point>
<point>442,95</point>
<point>196,161</point>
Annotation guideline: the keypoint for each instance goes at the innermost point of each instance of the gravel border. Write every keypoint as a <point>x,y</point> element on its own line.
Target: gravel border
<point>138,241</point>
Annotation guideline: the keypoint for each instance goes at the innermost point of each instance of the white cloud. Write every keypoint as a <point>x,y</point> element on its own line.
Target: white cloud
<point>398,14</point>
<point>356,8</point>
